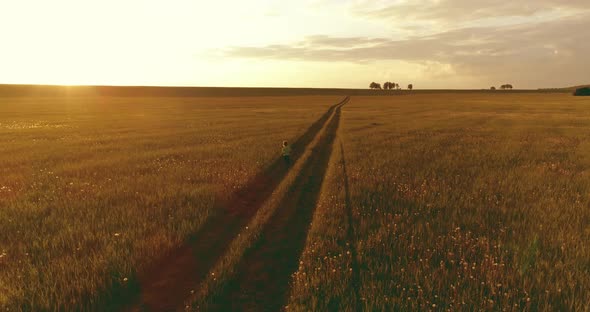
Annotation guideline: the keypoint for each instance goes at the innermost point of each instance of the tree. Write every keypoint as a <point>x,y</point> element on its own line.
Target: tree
<point>374,85</point>
<point>493,88</point>
<point>410,86</point>
<point>396,85</point>
<point>582,91</point>
<point>506,87</point>
<point>389,85</point>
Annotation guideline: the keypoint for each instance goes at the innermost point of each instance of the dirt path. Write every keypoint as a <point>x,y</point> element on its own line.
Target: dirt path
<point>264,273</point>
<point>165,285</point>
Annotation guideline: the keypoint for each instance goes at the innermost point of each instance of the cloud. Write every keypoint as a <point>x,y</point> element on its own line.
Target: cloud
<point>536,54</point>
<point>460,11</point>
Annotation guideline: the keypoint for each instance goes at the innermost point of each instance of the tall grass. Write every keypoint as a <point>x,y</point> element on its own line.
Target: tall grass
<point>93,189</point>
<point>327,277</point>
<point>460,202</point>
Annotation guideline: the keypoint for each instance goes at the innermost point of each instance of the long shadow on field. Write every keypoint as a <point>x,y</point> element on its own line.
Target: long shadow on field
<point>264,273</point>
<point>169,281</point>
<point>356,279</point>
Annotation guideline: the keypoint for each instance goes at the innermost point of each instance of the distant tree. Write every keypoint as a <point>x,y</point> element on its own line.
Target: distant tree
<point>506,87</point>
<point>410,86</point>
<point>396,85</point>
<point>389,85</point>
<point>493,88</point>
<point>375,85</point>
<point>582,91</point>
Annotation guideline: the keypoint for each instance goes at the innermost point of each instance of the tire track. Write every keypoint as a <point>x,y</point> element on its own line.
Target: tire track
<point>264,273</point>
<point>166,283</point>
<point>356,279</point>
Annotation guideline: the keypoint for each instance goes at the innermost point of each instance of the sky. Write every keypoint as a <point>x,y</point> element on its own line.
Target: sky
<point>305,43</point>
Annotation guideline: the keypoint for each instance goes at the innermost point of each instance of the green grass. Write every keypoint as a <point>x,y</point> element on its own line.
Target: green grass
<point>459,202</point>
<point>93,189</point>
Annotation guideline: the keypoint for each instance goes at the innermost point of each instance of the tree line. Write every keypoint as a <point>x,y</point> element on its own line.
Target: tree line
<point>395,86</point>
<point>388,86</point>
<point>584,91</point>
<point>503,87</point>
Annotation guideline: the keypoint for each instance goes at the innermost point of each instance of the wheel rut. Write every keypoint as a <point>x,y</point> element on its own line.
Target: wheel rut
<point>262,281</point>
<point>168,281</point>
<point>350,237</point>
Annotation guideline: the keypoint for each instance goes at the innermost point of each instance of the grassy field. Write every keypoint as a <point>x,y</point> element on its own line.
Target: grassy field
<point>453,202</point>
<point>424,201</point>
<point>93,189</point>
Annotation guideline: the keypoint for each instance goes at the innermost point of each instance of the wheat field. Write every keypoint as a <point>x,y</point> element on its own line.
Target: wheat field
<point>453,202</point>
<point>436,201</point>
<point>92,189</point>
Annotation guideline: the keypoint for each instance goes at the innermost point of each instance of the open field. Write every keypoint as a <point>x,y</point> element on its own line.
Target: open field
<point>137,91</point>
<point>444,201</point>
<point>454,202</point>
<point>92,190</point>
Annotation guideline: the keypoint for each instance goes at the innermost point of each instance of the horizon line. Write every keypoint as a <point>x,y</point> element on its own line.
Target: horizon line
<point>269,87</point>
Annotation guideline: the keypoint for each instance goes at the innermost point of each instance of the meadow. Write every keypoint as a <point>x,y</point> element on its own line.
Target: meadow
<point>95,188</point>
<point>418,201</point>
<point>453,202</point>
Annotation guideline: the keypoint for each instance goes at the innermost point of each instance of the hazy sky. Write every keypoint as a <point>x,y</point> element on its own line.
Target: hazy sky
<point>302,43</point>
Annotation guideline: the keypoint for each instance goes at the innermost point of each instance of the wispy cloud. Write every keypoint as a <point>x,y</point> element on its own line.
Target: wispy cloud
<point>460,11</point>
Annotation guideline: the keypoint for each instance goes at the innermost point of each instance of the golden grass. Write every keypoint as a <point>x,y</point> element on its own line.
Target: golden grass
<point>460,202</point>
<point>451,201</point>
<point>219,277</point>
<point>328,271</point>
<point>93,189</point>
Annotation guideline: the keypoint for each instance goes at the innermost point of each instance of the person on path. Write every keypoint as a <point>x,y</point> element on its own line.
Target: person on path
<point>286,152</point>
